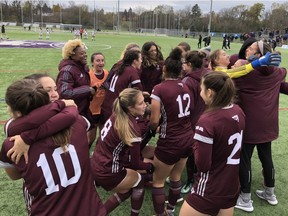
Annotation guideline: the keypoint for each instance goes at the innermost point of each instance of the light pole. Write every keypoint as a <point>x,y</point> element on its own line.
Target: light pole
<point>94,16</point>
<point>41,10</point>
<point>60,10</point>
<point>209,24</point>
<point>32,12</point>
<point>79,15</point>
<point>118,16</point>
<point>22,13</point>
<point>1,12</point>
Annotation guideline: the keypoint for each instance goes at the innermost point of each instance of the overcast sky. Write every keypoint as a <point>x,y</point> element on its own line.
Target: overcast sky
<point>111,5</point>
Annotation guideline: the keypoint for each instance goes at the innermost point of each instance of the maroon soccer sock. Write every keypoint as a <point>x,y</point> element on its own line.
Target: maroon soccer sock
<point>174,193</point>
<point>115,200</point>
<point>158,197</point>
<point>137,198</point>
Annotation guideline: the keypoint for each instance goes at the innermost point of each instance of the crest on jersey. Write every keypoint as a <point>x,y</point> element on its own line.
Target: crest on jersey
<point>235,117</point>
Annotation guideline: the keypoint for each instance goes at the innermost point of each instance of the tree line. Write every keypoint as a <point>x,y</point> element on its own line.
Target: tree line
<point>240,18</point>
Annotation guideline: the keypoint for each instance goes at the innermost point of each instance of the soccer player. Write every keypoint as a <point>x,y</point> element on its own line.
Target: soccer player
<point>170,101</point>
<point>125,75</point>
<point>217,142</point>
<point>194,67</point>
<point>120,134</point>
<point>97,77</point>
<point>152,64</point>
<point>58,167</point>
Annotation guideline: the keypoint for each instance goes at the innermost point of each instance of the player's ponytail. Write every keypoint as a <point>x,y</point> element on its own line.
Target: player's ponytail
<point>127,98</point>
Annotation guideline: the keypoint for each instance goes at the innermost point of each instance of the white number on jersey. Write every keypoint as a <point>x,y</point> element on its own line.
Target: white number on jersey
<point>183,112</point>
<point>113,83</point>
<point>238,138</point>
<point>42,162</point>
<point>105,129</point>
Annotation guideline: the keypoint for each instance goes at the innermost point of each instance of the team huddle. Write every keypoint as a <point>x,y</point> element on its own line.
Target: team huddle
<point>205,109</point>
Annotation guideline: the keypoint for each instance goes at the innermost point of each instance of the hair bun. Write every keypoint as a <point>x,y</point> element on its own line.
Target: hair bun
<point>176,54</point>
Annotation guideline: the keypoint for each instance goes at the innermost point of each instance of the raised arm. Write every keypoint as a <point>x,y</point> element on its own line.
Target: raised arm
<point>35,118</point>
<point>269,59</point>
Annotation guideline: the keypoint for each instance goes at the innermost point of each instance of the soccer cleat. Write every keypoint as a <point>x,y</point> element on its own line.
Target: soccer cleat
<point>244,205</point>
<point>186,188</point>
<point>268,195</point>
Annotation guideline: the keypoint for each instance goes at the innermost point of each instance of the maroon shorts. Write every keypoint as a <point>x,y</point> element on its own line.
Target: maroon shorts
<point>208,205</point>
<point>108,183</point>
<point>171,152</point>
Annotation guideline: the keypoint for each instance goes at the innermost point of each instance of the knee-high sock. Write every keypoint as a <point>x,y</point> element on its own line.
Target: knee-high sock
<point>137,198</point>
<point>174,193</point>
<point>158,197</point>
<point>115,200</point>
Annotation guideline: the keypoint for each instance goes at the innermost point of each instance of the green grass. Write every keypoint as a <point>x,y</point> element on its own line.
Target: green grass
<point>16,63</point>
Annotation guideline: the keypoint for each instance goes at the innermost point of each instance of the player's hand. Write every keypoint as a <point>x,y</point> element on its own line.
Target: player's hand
<point>69,102</point>
<point>145,94</point>
<point>269,59</point>
<point>19,149</point>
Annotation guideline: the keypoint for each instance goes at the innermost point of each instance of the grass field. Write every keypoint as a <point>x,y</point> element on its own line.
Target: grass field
<point>15,63</point>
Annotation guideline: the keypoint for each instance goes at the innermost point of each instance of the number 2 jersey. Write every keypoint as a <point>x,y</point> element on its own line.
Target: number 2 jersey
<point>217,143</point>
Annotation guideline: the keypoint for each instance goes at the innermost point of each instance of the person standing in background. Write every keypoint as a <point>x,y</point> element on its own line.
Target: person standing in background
<point>199,41</point>
<point>3,32</point>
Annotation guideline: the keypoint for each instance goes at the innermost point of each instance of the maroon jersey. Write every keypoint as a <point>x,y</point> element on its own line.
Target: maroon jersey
<point>258,94</point>
<point>73,82</point>
<point>151,76</point>
<point>197,106</point>
<point>218,139</point>
<point>110,152</point>
<point>175,102</point>
<point>54,179</point>
<point>129,78</point>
